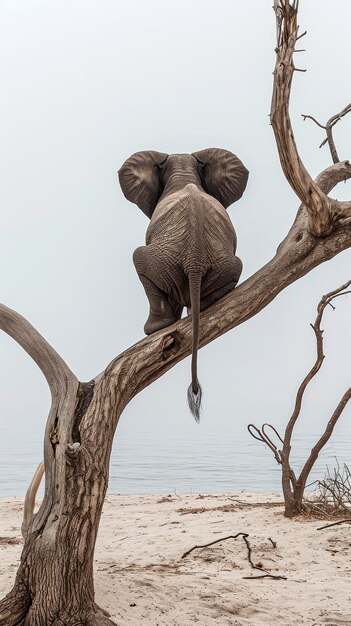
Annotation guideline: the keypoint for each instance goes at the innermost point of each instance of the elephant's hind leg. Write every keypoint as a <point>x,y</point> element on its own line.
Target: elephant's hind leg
<point>161,314</point>
<point>220,281</point>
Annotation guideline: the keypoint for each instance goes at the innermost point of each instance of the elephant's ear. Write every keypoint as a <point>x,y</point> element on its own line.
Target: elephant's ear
<point>139,178</point>
<point>224,176</point>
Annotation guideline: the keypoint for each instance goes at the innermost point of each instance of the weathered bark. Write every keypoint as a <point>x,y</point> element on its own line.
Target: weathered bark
<point>323,212</point>
<point>294,494</point>
<point>54,583</point>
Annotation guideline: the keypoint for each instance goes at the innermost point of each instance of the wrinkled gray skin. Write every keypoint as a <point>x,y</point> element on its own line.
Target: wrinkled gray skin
<point>189,257</point>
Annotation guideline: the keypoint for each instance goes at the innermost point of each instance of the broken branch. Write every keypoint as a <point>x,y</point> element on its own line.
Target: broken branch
<point>249,553</point>
<point>206,545</point>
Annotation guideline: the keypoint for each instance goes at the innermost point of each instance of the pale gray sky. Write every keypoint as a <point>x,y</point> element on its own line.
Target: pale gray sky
<point>85,84</point>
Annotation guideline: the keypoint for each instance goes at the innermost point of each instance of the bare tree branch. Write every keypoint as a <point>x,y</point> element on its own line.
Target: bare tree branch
<point>261,435</point>
<point>212,543</point>
<point>293,489</point>
<point>332,175</point>
<point>51,364</point>
<point>329,130</point>
<point>245,537</point>
<point>286,476</point>
<point>317,203</point>
<point>322,211</point>
<point>309,117</point>
<point>322,440</point>
<point>63,386</point>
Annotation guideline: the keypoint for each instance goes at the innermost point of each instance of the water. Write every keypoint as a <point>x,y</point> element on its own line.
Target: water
<point>217,465</point>
<point>166,460</point>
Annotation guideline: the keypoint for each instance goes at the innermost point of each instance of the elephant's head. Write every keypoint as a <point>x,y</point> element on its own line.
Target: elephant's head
<point>144,176</point>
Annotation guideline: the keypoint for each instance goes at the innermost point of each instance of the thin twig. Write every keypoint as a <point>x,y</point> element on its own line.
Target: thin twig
<point>312,505</point>
<point>265,576</point>
<point>309,117</point>
<point>261,435</point>
<point>249,553</point>
<point>334,491</point>
<point>206,545</point>
<point>328,127</point>
<point>300,36</point>
<point>343,521</point>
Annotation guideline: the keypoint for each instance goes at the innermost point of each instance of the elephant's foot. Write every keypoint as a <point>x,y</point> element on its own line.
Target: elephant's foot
<point>157,322</point>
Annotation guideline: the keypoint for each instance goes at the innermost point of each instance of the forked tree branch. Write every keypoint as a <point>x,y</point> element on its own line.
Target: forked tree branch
<point>260,434</point>
<point>55,370</point>
<point>328,127</point>
<point>63,387</point>
<point>322,211</point>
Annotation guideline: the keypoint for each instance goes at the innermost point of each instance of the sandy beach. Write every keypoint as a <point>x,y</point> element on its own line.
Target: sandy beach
<point>141,577</point>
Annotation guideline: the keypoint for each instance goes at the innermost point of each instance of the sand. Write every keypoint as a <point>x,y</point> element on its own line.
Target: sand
<point>142,579</point>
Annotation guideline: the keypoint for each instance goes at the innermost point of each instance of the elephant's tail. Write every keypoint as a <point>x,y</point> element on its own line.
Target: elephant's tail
<point>194,390</point>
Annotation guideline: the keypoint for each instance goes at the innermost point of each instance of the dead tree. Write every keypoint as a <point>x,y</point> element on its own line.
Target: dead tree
<point>54,583</point>
<point>293,486</point>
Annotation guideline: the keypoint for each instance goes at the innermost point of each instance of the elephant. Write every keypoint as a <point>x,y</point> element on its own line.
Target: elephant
<point>189,258</point>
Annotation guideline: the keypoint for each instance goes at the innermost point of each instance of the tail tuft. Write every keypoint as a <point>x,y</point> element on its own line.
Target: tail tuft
<point>194,401</point>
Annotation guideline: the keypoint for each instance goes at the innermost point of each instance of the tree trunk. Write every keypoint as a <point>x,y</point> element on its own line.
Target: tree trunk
<point>293,502</point>
<point>54,583</point>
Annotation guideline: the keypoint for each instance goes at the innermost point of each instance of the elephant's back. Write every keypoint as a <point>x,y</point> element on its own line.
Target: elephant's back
<point>188,231</point>
<point>191,218</point>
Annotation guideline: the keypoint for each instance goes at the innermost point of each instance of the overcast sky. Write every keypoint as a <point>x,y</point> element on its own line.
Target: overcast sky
<point>86,83</point>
